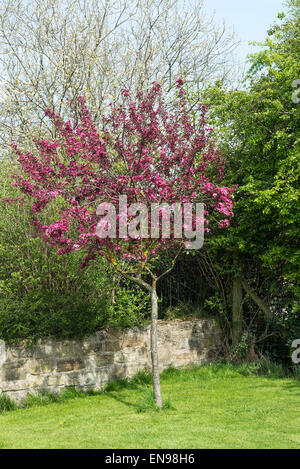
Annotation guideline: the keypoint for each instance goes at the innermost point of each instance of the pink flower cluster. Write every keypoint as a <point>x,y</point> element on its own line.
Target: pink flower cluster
<point>145,150</point>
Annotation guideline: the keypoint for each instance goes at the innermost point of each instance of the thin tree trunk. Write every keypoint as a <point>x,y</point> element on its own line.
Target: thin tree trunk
<point>113,291</point>
<point>154,352</point>
<point>153,331</point>
<point>237,310</point>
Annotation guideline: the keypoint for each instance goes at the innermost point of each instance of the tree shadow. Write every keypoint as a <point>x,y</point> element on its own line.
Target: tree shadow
<point>118,398</point>
<point>292,386</point>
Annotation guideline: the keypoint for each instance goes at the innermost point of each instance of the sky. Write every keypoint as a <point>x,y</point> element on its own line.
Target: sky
<point>250,19</point>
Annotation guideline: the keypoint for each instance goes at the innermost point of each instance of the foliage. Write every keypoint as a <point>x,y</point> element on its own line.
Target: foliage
<point>285,327</point>
<point>261,140</point>
<point>47,313</point>
<point>130,308</point>
<point>258,130</point>
<point>240,352</point>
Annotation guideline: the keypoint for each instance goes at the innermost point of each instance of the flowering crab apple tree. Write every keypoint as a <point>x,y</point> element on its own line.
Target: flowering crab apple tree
<point>146,155</point>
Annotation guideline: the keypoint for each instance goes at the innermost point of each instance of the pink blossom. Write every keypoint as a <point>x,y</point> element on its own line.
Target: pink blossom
<point>145,151</point>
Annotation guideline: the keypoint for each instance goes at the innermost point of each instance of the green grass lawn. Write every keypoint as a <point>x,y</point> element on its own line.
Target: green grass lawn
<point>213,407</point>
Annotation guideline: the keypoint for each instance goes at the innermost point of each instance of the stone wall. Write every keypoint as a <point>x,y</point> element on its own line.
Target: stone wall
<point>102,357</point>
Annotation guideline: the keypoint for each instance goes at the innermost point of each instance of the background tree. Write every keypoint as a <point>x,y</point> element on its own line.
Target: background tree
<point>55,50</point>
<point>260,137</point>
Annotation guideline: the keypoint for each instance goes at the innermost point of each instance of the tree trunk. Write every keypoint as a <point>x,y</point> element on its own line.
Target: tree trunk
<point>113,291</point>
<point>260,303</point>
<point>153,335</point>
<point>237,311</point>
<point>154,352</point>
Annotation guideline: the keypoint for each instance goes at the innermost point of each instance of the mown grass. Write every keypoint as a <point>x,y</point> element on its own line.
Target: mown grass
<point>216,406</point>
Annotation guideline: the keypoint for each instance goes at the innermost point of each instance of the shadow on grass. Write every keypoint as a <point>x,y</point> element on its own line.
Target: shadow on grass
<point>146,402</point>
<point>292,386</point>
<point>113,395</point>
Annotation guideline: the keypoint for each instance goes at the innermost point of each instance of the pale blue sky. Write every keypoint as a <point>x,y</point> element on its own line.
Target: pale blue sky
<point>250,19</point>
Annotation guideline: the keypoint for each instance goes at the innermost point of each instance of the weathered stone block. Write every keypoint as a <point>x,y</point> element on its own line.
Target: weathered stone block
<point>104,359</point>
<point>183,358</point>
<point>18,385</point>
<point>90,348</point>
<point>68,349</point>
<point>134,354</point>
<point>21,351</point>
<point>115,333</point>
<point>74,378</point>
<point>196,344</point>
<point>208,341</point>
<point>13,370</point>
<point>134,340</point>
<point>120,357</point>
<point>41,366</point>
<point>112,346</point>
<point>118,371</point>
<point>43,350</point>
<point>36,381</point>
<point>69,364</point>
<point>57,380</point>
<point>165,353</point>
<point>183,344</point>
<point>94,343</point>
<point>17,396</point>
